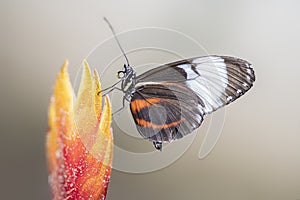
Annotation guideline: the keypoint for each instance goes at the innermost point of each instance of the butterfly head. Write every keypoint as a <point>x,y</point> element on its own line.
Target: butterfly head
<point>127,75</point>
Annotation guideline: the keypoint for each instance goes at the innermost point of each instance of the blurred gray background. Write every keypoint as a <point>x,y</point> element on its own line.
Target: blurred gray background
<point>258,154</point>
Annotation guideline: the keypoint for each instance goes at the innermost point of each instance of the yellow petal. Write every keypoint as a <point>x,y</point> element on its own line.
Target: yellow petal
<point>98,95</point>
<point>85,115</point>
<point>60,113</point>
<point>106,118</point>
<point>103,146</point>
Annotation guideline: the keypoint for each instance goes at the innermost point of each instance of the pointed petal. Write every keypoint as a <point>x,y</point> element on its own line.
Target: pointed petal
<point>85,115</point>
<point>103,146</point>
<point>98,95</point>
<point>60,127</point>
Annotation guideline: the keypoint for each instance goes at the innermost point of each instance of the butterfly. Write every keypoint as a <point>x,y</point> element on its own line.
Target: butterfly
<point>170,101</point>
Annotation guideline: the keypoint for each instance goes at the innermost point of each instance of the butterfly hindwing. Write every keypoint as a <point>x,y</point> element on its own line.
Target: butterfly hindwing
<point>165,112</point>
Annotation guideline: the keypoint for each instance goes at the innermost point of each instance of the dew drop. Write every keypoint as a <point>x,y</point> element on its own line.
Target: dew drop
<point>60,179</point>
<point>57,154</point>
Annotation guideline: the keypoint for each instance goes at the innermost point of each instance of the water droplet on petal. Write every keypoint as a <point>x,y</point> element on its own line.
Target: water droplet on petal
<point>57,154</point>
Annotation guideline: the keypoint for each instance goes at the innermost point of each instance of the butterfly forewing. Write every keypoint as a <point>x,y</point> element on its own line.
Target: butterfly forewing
<point>216,80</point>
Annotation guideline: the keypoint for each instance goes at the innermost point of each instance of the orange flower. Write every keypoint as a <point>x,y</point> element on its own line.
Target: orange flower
<point>79,140</point>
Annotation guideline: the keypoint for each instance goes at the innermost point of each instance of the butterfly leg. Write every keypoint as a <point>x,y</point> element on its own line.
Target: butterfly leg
<point>112,85</point>
<point>120,109</point>
<point>114,88</point>
<point>110,88</point>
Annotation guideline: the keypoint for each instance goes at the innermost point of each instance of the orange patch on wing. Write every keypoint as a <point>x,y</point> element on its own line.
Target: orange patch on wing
<point>138,104</point>
<point>145,123</point>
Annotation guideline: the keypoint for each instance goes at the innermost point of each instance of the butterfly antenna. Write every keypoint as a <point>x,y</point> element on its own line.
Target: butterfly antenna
<point>116,38</point>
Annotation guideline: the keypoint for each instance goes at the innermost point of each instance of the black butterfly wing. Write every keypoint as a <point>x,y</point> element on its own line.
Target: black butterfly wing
<point>216,80</point>
<point>170,101</point>
<point>165,112</point>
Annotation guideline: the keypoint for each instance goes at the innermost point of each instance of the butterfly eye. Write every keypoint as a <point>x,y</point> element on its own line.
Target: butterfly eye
<point>121,74</point>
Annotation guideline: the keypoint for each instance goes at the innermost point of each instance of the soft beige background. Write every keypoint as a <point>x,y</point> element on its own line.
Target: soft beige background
<point>258,155</point>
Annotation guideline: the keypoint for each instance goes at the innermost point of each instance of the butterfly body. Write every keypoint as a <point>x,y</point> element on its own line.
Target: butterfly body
<point>170,101</point>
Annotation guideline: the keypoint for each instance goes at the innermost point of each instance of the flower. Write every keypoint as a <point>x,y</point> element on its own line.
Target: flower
<point>79,140</point>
